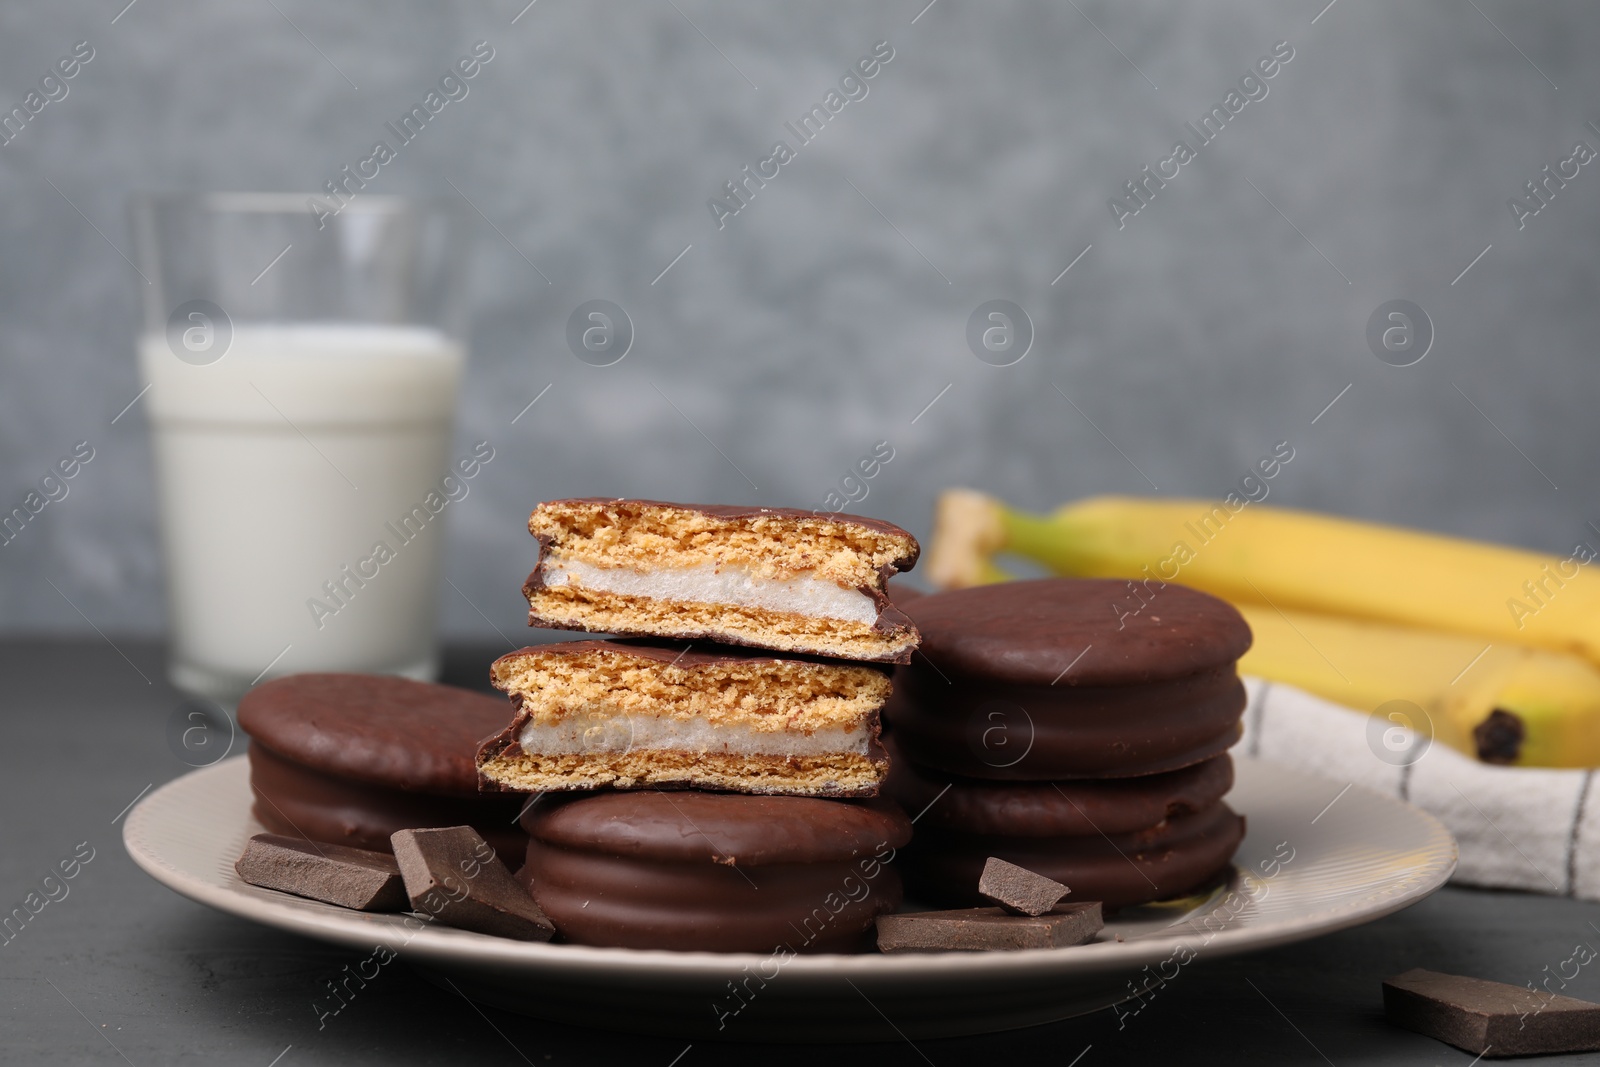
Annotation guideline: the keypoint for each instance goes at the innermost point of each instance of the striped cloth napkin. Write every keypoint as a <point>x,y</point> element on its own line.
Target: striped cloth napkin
<point>1518,827</point>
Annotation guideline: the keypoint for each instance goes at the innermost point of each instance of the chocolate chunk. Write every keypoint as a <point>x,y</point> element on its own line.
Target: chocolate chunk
<point>333,874</point>
<point>1490,1018</point>
<point>988,928</point>
<point>452,874</point>
<point>1017,889</point>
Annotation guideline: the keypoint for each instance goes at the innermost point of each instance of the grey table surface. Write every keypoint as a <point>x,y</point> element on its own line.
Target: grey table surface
<point>124,970</point>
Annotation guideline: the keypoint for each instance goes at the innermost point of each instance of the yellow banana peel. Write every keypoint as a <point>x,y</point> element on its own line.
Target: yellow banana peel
<point>1318,595</point>
<point>1548,703</point>
<point>1294,560</point>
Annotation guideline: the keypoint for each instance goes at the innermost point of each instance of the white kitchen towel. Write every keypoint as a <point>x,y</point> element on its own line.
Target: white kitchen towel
<point>1518,827</point>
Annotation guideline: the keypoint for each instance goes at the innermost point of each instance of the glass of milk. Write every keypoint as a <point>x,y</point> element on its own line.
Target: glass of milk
<point>302,369</point>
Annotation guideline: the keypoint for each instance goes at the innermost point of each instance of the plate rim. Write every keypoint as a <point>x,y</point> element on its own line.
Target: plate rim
<point>441,945</point>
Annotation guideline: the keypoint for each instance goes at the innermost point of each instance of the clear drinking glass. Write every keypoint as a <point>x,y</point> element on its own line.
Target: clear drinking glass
<point>302,377</point>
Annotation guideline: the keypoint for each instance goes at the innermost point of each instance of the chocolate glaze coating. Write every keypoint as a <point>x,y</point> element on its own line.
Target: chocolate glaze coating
<point>714,871</point>
<point>378,729</point>
<point>1029,633</point>
<point>296,800</point>
<point>597,899</point>
<point>1056,809</point>
<point>1177,857</point>
<point>994,730</point>
<point>900,592</point>
<point>721,828</point>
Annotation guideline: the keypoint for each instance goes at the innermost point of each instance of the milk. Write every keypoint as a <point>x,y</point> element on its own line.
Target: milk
<point>278,465</point>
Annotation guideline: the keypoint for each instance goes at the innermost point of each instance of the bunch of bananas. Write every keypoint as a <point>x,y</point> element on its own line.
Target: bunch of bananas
<point>1500,647</point>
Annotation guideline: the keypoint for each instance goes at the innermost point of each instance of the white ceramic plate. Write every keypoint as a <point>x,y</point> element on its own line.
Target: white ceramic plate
<point>1304,869</point>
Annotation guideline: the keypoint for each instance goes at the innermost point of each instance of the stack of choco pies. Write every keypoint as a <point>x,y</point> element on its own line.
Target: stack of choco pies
<point>1047,724</point>
<point>714,777</point>
<point>710,781</point>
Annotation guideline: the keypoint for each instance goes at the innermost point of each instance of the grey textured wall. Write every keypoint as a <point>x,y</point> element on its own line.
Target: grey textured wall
<point>825,316</point>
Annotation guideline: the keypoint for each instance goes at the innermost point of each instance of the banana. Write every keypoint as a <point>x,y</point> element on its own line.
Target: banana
<point>1482,695</point>
<point>1294,560</point>
<point>1498,703</point>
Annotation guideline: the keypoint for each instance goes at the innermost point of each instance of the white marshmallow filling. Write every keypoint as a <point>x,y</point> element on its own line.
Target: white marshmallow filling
<point>608,732</point>
<point>709,584</point>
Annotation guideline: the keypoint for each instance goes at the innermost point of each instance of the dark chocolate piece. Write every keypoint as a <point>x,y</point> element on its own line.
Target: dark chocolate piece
<point>1490,1019</point>
<point>452,874</point>
<point>1017,889</point>
<point>1064,808</point>
<point>992,929</point>
<point>715,872</point>
<point>384,731</point>
<point>334,874</point>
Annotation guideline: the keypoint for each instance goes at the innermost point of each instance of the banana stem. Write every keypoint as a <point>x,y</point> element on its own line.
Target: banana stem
<point>1041,538</point>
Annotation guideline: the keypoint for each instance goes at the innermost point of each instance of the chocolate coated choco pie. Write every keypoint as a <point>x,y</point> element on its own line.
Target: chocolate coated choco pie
<point>718,872</point>
<point>1058,678</point>
<point>1077,728</point>
<point>1177,856</point>
<point>1163,834</point>
<point>1068,808</point>
<point>351,758</point>
<point>628,715</point>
